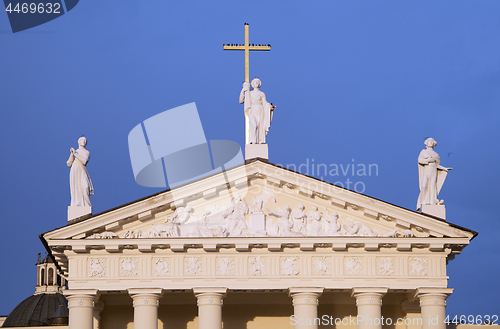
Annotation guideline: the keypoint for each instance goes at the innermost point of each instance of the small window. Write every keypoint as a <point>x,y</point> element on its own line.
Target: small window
<point>43,277</point>
<point>51,276</point>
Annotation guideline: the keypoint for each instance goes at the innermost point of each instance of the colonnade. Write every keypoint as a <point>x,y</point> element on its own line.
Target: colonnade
<point>82,306</point>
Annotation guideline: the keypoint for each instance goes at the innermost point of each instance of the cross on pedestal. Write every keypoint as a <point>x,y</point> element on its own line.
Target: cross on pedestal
<point>247,47</point>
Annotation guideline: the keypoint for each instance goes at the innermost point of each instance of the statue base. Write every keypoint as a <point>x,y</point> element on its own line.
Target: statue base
<point>437,210</point>
<point>254,151</point>
<point>78,211</point>
<point>258,222</point>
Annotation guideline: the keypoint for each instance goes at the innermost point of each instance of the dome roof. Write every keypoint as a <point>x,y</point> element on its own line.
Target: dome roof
<point>36,310</point>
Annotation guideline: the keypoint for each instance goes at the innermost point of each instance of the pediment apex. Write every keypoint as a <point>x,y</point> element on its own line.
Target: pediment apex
<point>251,180</point>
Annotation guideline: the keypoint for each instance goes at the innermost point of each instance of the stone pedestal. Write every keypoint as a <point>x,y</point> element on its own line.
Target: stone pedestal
<point>305,307</point>
<point>254,151</point>
<point>145,302</point>
<point>369,303</point>
<point>258,222</point>
<point>81,308</point>
<point>210,307</point>
<point>433,306</point>
<point>75,212</point>
<point>437,210</point>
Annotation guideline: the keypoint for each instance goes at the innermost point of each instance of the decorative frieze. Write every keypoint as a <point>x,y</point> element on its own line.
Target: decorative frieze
<point>353,266</point>
<point>193,266</point>
<point>385,266</point>
<point>290,266</point>
<point>257,266</point>
<point>418,266</point>
<point>161,267</point>
<point>128,267</point>
<point>97,267</point>
<point>226,266</point>
<point>321,265</point>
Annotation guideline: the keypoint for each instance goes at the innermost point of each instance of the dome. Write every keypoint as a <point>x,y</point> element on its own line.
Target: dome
<point>36,310</point>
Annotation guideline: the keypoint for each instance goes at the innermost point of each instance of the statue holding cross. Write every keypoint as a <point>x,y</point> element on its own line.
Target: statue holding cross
<point>258,112</point>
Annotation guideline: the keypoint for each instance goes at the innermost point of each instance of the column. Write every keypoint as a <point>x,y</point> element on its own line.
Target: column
<point>413,318</point>
<point>210,307</point>
<point>305,307</point>
<point>369,303</point>
<point>146,302</point>
<point>81,307</point>
<point>433,306</point>
<point>98,307</point>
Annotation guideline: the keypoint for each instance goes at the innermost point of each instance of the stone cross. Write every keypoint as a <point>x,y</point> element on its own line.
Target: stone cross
<point>247,47</point>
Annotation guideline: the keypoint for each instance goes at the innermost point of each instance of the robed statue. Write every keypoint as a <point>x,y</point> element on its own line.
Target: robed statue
<point>431,175</point>
<point>79,179</point>
<point>258,110</point>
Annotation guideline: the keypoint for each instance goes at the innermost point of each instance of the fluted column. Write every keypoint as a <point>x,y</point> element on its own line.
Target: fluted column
<point>210,307</point>
<point>81,307</point>
<point>305,307</point>
<point>369,303</point>
<point>146,302</point>
<point>433,306</point>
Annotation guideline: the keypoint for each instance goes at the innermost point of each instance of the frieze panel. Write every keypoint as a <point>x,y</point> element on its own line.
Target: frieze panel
<point>97,267</point>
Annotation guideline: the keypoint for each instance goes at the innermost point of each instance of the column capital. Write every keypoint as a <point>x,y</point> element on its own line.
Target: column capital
<point>305,296</point>
<point>137,291</point>
<point>368,290</point>
<point>424,291</point>
<point>368,296</point>
<point>433,296</point>
<point>71,292</point>
<point>210,290</point>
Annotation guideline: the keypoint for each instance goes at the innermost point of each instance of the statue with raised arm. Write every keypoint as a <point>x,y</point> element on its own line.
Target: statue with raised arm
<point>431,175</point>
<point>259,111</point>
<point>79,179</point>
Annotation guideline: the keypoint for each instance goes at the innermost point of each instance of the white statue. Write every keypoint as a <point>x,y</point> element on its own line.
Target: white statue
<point>299,219</point>
<point>285,223</point>
<point>235,212</point>
<point>314,222</point>
<point>334,227</point>
<point>259,111</point>
<point>79,179</point>
<point>431,175</point>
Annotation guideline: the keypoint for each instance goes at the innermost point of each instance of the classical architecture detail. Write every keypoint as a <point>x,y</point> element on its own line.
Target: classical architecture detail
<point>418,266</point>
<point>431,175</point>
<point>353,266</point>
<point>97,267</point>
<point>256,266</point>
<point>314,222</point>
<point>162,267</point>
<point>321,265</point>
<point>128,267</point>
<point>290,265</point>
<point>79,180</point>
<point>103,235</point>
<point>385,266</point>
<point>226,266</point>
<point>259,201</point>
<point>192,266</point>
<point>258,110</point>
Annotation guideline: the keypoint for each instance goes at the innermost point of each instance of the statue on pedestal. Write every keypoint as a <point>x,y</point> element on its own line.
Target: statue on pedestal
<point>79,179</point>
<point>431,175</point>
<point>259,111</point>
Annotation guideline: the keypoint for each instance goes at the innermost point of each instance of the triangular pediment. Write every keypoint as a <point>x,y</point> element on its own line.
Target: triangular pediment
<point>203,209</point>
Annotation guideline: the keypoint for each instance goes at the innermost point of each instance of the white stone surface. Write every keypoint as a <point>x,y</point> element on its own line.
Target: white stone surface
<point>437,210</point>
<point>258,222</point>
<point>254,151</point>
<point>79,211</point>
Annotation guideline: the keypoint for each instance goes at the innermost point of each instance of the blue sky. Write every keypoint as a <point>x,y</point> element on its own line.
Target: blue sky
<point>364,80</point>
